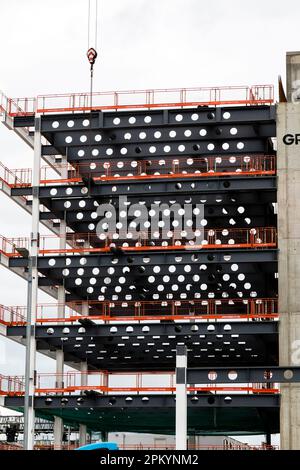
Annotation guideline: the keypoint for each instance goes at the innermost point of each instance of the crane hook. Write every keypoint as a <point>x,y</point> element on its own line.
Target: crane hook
<point>92,56</point>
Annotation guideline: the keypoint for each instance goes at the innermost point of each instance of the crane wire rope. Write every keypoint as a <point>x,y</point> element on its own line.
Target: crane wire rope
<point>92,48</point>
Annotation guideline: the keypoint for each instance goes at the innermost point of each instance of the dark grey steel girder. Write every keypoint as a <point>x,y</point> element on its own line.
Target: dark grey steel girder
<point>194,148</point>
<point>214,221</point>
<point>226,257</point>
<point>244,375</point>
<point>212,210</point>
<point>145,346</point>
<point>256,199</point>
<point>149,329</point>
<point>175,186</point>
<point>111,276</point>
<point>148,401</point>
<point>132,134</point>
<point>206,115</point>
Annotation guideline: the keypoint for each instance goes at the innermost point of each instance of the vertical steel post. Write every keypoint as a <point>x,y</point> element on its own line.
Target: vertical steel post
<point>84,369</point>
<point>61,298</point>
<point>181,398</point>
<point>30,361</point>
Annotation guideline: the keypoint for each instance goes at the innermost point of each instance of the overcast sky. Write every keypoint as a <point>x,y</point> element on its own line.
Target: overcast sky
<point>142,43</point>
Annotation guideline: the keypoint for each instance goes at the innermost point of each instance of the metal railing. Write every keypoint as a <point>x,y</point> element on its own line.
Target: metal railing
<point>126,311</point>
<point>225,165</point>
<point>72,382</point>
<point>15,178</point>
<point>261,237</point>
<point>140,99</point>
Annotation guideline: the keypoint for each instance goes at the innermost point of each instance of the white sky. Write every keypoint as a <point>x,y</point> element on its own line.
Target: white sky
<point>142,43</point>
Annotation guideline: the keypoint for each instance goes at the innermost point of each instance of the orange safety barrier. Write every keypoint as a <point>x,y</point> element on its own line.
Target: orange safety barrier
<point>225,165</point>
<point>70,382</point>
<point>8,246</point>
<point>128,311</point>
<point>261,237</point>
<point>139,99</point>
<point>12,315</point>
<point>11,385</point>
<point>10,446</point>
<point>15,178</point>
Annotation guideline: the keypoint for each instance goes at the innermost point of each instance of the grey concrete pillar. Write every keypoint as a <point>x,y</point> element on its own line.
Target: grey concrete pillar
<point>288,122</point>
<point>83,380</point>
<point>58,431</point>
<point>181,398</point>
<point>293,76</point>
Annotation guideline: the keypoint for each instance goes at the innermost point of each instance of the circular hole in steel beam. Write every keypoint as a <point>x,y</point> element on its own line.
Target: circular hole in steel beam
<point>288,374</point>
<point>268,374</point>
<point>212,375</point>
<point>227,400</point>
<point>232,375</point>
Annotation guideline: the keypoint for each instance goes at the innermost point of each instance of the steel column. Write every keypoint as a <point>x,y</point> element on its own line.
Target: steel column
<point>61,297</point>
<point>30,372</point>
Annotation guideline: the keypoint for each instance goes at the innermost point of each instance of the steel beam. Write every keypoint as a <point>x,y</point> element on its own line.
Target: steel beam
<point>231,400</point>
<point>206,115</point>
<point>151,329</point>
<point>244,375</point>
<point>149,188</point>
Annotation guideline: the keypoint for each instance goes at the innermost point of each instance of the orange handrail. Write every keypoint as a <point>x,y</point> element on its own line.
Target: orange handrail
<point>128,311</point>
<point>174,167</point>
<point>140,99</point>
<point>260,237</point>
<point>70,382</point>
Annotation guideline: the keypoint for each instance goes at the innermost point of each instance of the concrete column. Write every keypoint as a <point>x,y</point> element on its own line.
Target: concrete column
<point>82,427</point>
<point>288,122</point>
<point>181,398</point>
<point>58,430</point>
<point>293,76</point>
<point>192,445</point>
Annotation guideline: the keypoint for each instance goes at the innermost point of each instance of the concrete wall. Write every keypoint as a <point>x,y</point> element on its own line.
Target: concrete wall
<point>288,122</point>
<point>293,76</point>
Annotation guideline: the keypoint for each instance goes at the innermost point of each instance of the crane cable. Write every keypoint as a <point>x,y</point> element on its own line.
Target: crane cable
<point>92,52</point>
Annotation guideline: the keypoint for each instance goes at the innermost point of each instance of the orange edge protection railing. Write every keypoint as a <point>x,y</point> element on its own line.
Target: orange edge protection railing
<point>261,237</point>
<point>246,165</point>
<point>111,311</point>
<point>139,99</point>
<point>15,387</point>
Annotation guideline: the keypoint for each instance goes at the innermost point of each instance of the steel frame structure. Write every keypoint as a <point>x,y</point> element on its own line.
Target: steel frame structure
<point>220,156</point>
